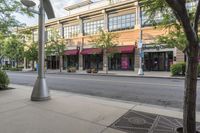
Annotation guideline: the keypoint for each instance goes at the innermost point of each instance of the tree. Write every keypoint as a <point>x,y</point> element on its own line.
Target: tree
<point>56,45</point>
<point>7,17</point>
<point>105,41</point>
<point>186,32</point>
<point>1,47</point>
<point>13,48</point>
<point>31,53</point>
<point>30,47</point>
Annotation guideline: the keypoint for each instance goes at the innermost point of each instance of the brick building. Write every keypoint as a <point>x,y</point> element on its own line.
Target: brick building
<point>119,16</point>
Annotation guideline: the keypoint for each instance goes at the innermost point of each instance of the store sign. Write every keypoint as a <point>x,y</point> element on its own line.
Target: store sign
<point>157,47</point>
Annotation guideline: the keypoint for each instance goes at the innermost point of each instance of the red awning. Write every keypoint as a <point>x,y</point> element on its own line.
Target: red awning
<point>71,52</point>
<point>91,51</point>
<point>123,49</point>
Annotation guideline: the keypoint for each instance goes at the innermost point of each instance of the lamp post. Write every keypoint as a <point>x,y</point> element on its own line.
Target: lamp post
<point>140,43</point>
<point>40,91</point>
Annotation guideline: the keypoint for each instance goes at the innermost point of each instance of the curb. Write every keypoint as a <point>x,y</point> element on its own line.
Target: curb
<point>110,75</point>
<point>113,75</point>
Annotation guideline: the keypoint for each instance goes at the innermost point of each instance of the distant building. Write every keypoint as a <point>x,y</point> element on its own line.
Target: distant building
<point>120,16</point>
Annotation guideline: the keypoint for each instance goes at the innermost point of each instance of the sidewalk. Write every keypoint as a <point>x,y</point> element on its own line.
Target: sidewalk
<point>67,112</point>
<point>152,74</point>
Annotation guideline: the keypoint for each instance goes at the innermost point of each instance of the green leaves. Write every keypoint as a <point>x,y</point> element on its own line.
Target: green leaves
<point>172,22</point>
<point>8,9</point>
<point>55,43</point>
<point>13,48</point>
<point>105,40</point>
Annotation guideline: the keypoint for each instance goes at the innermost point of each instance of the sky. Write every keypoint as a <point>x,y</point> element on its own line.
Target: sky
<point>58,6</point>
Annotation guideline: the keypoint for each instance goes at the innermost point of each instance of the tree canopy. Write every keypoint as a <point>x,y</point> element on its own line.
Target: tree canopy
<point>8,10</point>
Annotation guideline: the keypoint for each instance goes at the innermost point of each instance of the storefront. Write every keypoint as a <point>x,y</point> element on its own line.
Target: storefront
<point>71,58</point>
<point>158,58</point>
<point>92,58</point>
<point>123,58</point>
<point>52,62</point>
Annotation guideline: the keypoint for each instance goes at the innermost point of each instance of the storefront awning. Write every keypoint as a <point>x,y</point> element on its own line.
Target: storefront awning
<point>123,49</point>
<point>71,52</point>
<point>89,51</point>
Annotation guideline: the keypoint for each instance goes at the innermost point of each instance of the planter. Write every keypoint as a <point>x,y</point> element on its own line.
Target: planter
<point>89,71</point>
<point>94,71</point>
<point>71,70</point>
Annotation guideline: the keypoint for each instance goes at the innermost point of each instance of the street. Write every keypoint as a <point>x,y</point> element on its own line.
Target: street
<point>156,91</point>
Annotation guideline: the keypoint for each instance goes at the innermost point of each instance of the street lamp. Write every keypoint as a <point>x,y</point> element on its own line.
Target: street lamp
<point>140,43</point>
<point>40,91</point>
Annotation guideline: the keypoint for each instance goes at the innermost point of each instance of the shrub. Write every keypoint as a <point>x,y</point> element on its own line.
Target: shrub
<point>4,80</point>
<point>15,69</point>
<point>94,70</point>
<point>178,69</point>
<point>6,67</point>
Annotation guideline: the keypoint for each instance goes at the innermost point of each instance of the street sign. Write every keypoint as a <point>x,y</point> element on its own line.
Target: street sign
<point>140,45</point>
<point>141,54</point>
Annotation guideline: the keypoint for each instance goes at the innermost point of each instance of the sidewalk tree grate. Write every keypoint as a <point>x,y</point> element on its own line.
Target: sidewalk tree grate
<point>140,122</point>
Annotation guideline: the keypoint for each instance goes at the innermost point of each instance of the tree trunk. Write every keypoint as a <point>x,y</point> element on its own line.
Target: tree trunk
<point>61,63</point>
<point>105,61</point>
<point>17,63</point>
<point>32,65</point>
<point>189,114</point>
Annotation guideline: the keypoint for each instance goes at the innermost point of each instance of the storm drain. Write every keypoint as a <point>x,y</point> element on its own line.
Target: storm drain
<point>139,122</point>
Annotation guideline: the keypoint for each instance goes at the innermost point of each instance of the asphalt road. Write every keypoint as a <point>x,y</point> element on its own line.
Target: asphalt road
<point>157,91</point>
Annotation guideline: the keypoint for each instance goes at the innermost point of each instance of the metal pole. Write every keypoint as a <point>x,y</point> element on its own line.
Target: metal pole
<point>40,91</point>
<point>140,71</point>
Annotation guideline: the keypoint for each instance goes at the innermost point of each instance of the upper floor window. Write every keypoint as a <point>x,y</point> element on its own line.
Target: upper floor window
<point>122,22</point>
<point>35,35</point>
<point>146,20</point>
<point>71,31</point>
<point>91,28</point>
<point>49,34</point>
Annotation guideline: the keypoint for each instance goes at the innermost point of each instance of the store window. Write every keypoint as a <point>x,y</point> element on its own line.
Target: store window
<point>121,62</point>
<point>35,35</point>
<point>147,22</point>
<point>158,61</point>
<point>122,22</point>
<point>91,28</point>
<point>71,31</point>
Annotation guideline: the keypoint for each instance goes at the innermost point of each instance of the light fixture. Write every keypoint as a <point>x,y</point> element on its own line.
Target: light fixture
<point>28,3</point>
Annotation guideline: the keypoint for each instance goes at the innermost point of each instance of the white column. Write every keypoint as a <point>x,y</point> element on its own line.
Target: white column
<point>106,22</point>
<point>81,34</point>
<point>25,63</point>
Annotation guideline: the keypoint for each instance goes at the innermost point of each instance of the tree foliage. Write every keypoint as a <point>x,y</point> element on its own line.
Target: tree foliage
<point>175,36</point>
<point>55,43</point>
<point>13,48</point>
<point>30,47</point>
<point>105,40</point>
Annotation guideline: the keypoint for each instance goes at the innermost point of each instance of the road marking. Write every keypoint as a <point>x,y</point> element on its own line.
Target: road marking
<point>140,83</point>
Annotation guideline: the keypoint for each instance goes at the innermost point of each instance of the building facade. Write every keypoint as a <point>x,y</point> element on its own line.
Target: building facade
<point>84,20</point>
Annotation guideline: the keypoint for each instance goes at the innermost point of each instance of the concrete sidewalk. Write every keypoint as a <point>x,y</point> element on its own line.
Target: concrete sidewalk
<point>152,74</point>
<point>67,112</point>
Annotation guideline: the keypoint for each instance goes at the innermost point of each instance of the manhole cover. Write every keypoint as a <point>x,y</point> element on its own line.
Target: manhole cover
<point>139,122</point>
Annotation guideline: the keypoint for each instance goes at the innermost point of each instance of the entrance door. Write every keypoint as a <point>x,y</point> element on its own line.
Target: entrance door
<point>158,61</point>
